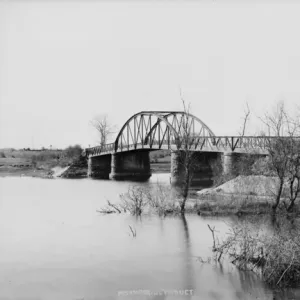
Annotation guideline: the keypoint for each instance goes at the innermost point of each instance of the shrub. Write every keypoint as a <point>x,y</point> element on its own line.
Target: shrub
<point>139,199</point>
<point>161,199</point>
<point>73,152</point>
<point>2,155</point>
<point>34,160</point>
<point>262,167</point>
<point>135,200</point>
<point>275,255</point>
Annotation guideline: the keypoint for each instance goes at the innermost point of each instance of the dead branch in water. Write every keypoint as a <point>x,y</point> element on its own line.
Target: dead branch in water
<point>105,211</point>
<point>108,210</point>
<point>113,206</point>
<point>132,231</point>
<point>213,235</point>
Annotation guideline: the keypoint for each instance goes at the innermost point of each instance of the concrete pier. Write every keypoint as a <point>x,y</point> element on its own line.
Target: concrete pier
<point>99,166</point>
<point>130,165</point>
<point>230,163</point>
<point>177,169</point>
<point>201,168</point>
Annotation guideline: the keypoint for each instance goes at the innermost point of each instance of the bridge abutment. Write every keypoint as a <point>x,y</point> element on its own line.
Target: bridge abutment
<point>130,165</point>
<point>99,166</point>
<point>201,168</point>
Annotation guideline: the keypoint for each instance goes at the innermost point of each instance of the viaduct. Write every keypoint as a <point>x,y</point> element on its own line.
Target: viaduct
<point>128,156</point>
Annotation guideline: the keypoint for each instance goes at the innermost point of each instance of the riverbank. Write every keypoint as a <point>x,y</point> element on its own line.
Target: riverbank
<point>42,163</point>
<point>25,162</point>
<point>73,172</point>
<point>242,195</point>
<point>28,171</point>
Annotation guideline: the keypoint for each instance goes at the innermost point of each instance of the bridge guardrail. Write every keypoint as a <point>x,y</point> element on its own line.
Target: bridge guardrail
<point>100,149</point>
<point>230,143</point>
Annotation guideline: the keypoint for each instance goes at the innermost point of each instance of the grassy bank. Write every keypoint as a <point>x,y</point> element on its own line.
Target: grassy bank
<point>35,163</point>
<point>233,206</point>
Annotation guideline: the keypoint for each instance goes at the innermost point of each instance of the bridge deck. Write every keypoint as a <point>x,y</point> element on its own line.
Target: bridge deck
<point>238,144</point>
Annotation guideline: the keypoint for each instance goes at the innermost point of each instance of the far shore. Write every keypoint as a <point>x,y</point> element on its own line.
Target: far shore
<point>28,171</point>
<point>46,163</point>
<point>45,172</point>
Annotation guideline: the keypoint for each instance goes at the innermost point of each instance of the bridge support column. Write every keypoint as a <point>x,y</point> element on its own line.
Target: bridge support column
<point>177,168</point>
<point>99,166</point>
<point>201,168</point>
<point>130,165</point>
<point>230,163</point>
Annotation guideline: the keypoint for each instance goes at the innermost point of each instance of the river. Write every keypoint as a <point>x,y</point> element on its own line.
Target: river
<point>55,245</point>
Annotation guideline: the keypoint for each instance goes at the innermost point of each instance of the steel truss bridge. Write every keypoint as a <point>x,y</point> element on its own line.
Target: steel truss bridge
<point>156,130</point>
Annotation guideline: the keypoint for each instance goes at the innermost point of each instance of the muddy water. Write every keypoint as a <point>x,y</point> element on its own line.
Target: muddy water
<point>54,245</point>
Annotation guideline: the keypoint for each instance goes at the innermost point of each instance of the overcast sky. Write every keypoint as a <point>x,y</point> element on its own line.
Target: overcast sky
<point>63,62</point>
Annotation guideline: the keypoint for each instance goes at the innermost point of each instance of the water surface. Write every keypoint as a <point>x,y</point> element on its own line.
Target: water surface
<point>54,245</point>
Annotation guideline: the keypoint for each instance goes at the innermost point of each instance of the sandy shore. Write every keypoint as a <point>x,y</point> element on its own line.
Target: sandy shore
<point>253,187</point>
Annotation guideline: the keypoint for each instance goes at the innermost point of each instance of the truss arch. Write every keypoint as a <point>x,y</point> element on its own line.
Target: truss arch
<point>158,129</point>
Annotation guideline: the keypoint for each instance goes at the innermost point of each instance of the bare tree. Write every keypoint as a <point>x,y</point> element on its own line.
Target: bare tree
<point>187,160</point>
<point>276,120</point>
<point>103,127</point>
<point>293,161</point>
<point>293,176</point>
<point>243,163</point>
<point>284,152</point>
<point>245,119</point>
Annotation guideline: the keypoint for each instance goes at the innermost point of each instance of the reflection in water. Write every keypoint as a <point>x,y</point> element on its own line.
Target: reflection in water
<point>188,270</point>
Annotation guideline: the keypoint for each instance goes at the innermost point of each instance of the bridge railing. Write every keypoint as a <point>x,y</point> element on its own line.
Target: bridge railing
<point>217,143</point>
<point>231,143</point>
<point>107,148</point>
<point>234,143</point>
